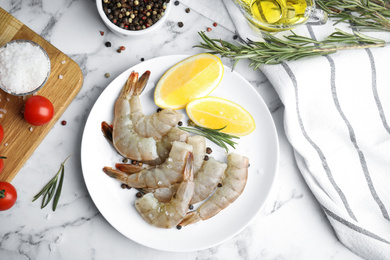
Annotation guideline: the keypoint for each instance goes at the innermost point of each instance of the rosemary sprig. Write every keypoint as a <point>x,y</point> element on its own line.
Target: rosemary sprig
<point>50,188</point>
<point>214,135</point>
<point>361,14</point>
<point>275,50</point>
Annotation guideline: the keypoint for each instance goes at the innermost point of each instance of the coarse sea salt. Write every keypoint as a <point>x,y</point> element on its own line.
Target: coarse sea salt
<point>23,67</point>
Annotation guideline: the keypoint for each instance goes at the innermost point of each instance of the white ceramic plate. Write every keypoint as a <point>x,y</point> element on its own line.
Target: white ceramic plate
<point>117,204</point>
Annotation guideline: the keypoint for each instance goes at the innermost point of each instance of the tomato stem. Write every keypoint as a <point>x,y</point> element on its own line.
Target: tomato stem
<point>2,194</point>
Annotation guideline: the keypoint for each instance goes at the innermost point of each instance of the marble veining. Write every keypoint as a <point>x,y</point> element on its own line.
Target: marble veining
<point>291,225</point>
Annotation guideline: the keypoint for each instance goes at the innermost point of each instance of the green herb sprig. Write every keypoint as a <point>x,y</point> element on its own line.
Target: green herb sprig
<point>214,135</point>
<point>360,14</point>
<point>275,50</point>
<point>52,189</point>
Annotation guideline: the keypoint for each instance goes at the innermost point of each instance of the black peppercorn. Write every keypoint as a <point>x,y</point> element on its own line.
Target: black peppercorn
<point>208,150</point>
<point>180,24</point>
<point>125,186</point>
<point>139,194</point>
<point>191,207</point>
<point>177,3</point>
<point>108,44</point>
<point>134,14</point>
<point>178,227</point>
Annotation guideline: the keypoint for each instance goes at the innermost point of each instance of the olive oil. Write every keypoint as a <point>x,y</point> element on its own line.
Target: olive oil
<point>275,15</point>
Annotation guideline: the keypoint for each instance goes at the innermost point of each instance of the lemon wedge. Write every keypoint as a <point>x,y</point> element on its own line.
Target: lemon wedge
<point>216,112</point>
<point>194,77</point>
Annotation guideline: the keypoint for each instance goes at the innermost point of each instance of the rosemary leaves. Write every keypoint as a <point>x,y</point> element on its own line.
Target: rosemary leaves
<point>293,47</point>
<point>52,189</point>
<point>214,135</point>
<point>360,14</point>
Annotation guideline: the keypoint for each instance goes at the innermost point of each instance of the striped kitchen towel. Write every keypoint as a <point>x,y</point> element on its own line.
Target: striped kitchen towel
<point>337,118</point>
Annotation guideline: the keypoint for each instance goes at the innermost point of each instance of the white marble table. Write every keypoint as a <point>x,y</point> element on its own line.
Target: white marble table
<point>291,225</point>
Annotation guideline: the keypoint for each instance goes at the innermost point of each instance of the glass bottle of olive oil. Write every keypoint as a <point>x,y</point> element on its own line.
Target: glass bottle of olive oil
<point>276,15</point>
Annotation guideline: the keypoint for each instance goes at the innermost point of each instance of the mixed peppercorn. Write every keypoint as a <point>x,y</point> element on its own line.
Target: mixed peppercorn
<point>134,15</point>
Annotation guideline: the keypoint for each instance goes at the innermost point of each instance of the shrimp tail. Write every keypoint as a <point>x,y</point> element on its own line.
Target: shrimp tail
<point>188,174</point>
<point>130,168</point>
<point>129,88</point>
<point>116,174</point>
<point>107,131</point>
<point>191,218</point>
<point>142,82</point>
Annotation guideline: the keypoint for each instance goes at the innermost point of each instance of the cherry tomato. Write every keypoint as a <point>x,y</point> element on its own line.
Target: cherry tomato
<point>1,133</point>
<point>38,110</point>
<point>8,195</point>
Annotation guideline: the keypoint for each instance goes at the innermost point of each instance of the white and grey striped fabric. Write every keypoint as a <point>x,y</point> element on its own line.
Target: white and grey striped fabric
<point>337,118</point>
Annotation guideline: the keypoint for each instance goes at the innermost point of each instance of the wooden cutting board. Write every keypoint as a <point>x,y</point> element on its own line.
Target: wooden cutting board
<point>20,138</point>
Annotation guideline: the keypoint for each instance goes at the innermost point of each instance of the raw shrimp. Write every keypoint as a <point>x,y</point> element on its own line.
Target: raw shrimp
<point>233,183</point>
<point>207,178</point>
<point>163,194</point>
<point>164,146</point>
<point>198,149</point>
<point>155,125</point>
<point>164,175</point>
<point>134,134</point>
<point>125,167</point>
<point>125,140</point>
<point>168,215</point>
<point>206,181</point>
<point>175,134</point>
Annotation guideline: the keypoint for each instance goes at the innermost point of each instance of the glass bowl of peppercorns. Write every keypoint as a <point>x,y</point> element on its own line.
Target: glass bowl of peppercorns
<point>129,18</point>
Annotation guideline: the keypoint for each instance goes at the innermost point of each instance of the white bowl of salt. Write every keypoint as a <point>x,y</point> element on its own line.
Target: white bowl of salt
<point>24,67</point>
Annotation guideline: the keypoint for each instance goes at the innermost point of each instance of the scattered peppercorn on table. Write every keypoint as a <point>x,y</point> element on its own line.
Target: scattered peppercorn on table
<point>21,138</point>
<point>290,224</point>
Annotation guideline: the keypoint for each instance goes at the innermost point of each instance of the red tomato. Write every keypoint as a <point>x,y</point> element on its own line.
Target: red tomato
<point>1,133</point>
<point>38,110</point>
<point>8,195</point>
